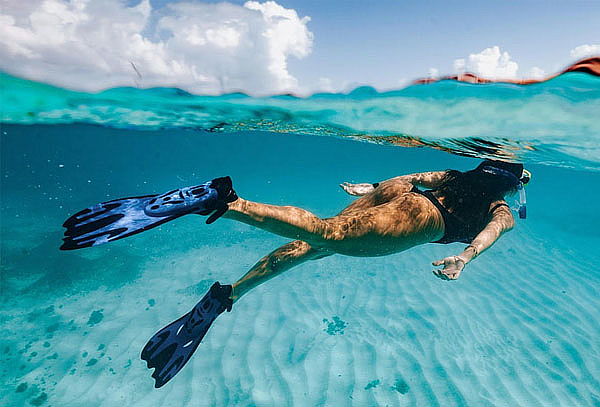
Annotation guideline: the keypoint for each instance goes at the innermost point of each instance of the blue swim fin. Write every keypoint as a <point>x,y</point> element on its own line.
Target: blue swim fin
<point>114,220</point>
<point>171,347</point>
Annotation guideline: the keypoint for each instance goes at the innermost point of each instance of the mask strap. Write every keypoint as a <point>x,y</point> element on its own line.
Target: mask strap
<point>500,171</point>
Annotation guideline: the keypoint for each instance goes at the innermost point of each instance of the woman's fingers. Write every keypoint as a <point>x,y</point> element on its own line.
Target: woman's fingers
<point>438,263</point>
<point>447,274</point>
<point>349,188</point>
<point>439,274</point>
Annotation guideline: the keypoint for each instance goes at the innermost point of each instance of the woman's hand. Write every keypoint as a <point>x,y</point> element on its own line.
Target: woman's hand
<point>453,265</point>
<point>357,189</point>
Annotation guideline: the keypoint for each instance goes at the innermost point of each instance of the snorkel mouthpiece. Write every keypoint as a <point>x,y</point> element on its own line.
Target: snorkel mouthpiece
<point>519,183</point>
<point>526,177</point>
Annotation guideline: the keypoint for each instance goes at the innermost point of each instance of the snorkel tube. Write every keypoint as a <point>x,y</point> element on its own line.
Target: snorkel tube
<point>519,184</point>
<point>522,208</point>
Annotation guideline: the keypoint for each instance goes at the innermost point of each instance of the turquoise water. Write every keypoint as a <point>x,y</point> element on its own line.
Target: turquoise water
<point>519,328</point>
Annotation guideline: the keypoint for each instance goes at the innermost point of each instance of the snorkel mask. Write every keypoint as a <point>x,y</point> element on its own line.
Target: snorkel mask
<point>520,183</point>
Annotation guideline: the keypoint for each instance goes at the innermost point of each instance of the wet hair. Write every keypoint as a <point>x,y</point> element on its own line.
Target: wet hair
<point>471,192</point>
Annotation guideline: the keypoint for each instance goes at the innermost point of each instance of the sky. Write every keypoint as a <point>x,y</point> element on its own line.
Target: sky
<point>295,46</point>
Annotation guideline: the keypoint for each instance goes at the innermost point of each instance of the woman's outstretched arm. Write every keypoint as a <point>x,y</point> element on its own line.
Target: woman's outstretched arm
<point>502,221</point>
<point>431,179</point>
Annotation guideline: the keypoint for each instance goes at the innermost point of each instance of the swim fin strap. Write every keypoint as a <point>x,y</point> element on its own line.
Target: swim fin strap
<point>171,347</point>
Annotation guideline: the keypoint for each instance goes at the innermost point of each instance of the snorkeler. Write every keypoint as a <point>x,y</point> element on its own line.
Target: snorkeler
<point>389,217</point>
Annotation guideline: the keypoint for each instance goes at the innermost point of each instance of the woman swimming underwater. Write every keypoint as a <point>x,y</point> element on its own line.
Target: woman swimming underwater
<point>389,217</point>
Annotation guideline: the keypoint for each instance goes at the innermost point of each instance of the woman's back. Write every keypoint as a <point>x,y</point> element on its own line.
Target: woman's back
<point>467,201</point>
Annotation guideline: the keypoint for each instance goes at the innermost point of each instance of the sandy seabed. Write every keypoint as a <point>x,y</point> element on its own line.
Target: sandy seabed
<point>337,331</point>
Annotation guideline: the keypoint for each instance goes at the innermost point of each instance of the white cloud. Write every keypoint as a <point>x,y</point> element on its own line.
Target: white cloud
<point>536,73</point>
<point>585,50</point>
<point>490,63</point>
<point>460,65</point>
<point>200,47</point>
<point>325,85</point>
<point>433,73</point>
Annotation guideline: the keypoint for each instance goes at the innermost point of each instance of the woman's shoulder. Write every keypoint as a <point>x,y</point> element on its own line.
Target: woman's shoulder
<point>500,210</point>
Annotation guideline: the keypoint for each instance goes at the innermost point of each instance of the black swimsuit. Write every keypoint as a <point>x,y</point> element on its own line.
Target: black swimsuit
<point>456,230</point>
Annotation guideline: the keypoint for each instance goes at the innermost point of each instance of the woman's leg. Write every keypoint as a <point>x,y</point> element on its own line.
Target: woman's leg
<point>287,221</point>
<point>275,263</point>
<point>296,223</point>
<point>384,193</point>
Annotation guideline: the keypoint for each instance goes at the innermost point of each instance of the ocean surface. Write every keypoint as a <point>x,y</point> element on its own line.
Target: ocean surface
<point>519,328</point>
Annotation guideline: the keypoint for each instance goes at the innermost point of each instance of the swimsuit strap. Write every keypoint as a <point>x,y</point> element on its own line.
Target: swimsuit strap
<point>499,205</point>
